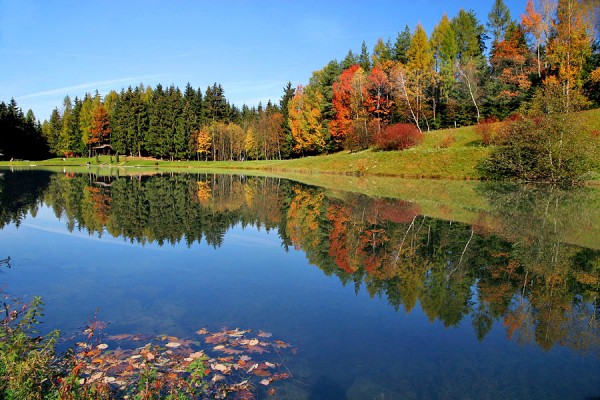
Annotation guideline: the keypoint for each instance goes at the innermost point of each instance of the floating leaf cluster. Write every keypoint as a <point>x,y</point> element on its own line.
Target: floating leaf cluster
<point>214,365</point>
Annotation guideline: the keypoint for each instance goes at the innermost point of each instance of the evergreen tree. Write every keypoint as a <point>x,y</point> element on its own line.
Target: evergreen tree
<point>214,105</point>
<point>288,94</point>
<point>401,46</point>
<point>20,135</point>
<point>349,60</point>
<point>470,35</point>
<point>498,21</point>
<point>51,131</point>
<point>364,59</point>
<point>70,138</point>
<point>322,82</point>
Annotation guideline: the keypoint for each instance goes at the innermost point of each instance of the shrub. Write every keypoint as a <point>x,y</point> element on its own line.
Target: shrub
<point>548,148</point>
<point>398,137</point>
<point>488,130</point>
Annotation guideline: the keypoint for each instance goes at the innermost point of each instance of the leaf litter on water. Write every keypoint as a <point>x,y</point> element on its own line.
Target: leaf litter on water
<point>238,370</point>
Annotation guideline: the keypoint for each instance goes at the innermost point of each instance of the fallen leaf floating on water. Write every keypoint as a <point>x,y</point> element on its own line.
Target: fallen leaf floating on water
<point>120,337</point>
<point>197,354</point>
<point>93,353</point>
<point>261,372</point>
<point>228,350</point>
<point>257,349</point>
<point>236,333</point>
<point>120,370</point>
<point>216,338</point>
<point>220,367</point>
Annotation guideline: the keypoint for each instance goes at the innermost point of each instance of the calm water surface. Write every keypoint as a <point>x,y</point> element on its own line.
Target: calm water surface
<point>382,298</point>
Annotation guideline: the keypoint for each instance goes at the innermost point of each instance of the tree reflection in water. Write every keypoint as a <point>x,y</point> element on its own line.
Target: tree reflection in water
<point>531,262</point>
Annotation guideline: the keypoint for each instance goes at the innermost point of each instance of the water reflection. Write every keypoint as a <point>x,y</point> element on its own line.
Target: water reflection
<point>531,262</point>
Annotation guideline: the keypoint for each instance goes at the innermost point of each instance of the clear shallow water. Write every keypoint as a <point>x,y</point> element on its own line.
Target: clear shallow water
<point>508,309</point>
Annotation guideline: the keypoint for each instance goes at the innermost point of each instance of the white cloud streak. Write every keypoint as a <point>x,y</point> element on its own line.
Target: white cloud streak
<point>88,85</point>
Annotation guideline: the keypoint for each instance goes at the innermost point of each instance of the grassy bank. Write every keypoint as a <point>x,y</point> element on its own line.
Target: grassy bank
<point>445,154</point>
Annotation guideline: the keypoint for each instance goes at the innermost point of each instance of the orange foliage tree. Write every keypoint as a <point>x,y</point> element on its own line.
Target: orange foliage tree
<point>100,131</point>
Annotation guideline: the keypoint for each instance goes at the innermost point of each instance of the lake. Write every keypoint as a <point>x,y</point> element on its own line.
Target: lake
<point>453,290</point>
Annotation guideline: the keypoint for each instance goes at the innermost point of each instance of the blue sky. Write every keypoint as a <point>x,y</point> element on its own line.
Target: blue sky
<point>49,49</point>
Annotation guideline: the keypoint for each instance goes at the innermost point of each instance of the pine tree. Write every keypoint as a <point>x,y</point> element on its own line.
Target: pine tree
<point>288,94</point>
<point>401,46</point>
<point>349,60</point>
<point>364,59</point>
<point>51,131</point>
<point>469,34</point>
<point>498,21</point>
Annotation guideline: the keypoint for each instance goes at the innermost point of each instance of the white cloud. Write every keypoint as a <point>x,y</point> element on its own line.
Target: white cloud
<point>88,85</point>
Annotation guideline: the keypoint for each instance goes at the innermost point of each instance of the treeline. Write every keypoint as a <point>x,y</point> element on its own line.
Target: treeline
<point>168,123</point>
<point>20,134</point>
<point>444,79</point>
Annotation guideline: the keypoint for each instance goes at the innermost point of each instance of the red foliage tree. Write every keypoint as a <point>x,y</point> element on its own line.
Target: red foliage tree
<point>343,90</point>
<point>379,101</point>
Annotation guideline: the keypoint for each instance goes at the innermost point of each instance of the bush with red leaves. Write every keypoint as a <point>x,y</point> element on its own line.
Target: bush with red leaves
<point>488,130</point>
<point>398,137</point>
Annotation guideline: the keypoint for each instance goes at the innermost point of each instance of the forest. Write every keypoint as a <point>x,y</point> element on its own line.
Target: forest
<point>464,72</point>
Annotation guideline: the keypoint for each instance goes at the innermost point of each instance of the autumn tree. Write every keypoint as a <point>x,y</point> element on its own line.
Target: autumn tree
<point>203,143</point>
<point>413,80</point>
<point>381,52</point>
<point>100,130</point>
<point>570,45</point>
<point>346,106</point>
<point>379,99</point>
<point>306,123</point>
<point>536,23</point>
<point>512,67</point>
